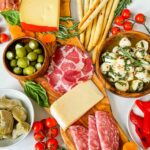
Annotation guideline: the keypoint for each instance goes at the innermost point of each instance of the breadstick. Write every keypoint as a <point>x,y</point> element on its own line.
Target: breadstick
<point>108,9</point>
<point>94,5</point>
<point>93,15</point>
<point>99,26</point>
<point>86,6</point>
<point>92,36</point>
<point>110,19</point>
<point>88,31</point>
<point>80,16</point>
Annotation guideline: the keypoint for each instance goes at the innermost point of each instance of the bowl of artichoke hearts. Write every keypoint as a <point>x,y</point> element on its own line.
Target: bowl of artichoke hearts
<point>16,117</point>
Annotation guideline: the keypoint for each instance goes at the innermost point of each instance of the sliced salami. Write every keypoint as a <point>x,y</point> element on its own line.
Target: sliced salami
<point>93,139</point>
<point>107,131</point>
<point>80,137</point>
<point>75,67</point>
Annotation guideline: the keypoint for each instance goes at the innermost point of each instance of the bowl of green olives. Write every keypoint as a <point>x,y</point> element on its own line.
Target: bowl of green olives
<point>26,58</point>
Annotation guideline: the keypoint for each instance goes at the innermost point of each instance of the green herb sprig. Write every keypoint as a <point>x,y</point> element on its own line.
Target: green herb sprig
<point>37,93</point>
<point>11,16</point>
<point>123,4</point>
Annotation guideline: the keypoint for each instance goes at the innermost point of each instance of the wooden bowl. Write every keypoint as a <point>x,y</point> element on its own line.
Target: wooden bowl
<point>108,43</point>
<point>37,73</point>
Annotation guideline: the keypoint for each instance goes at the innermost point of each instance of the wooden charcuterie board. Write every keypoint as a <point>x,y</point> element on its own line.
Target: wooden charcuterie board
<point>103,105</point>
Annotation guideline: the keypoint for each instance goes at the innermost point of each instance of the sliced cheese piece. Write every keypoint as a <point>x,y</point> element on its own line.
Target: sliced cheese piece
<point>39,15</point>
<point>75,103</point>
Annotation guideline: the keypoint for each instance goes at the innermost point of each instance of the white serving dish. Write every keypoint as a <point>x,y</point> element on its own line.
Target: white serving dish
<point>14,94</point>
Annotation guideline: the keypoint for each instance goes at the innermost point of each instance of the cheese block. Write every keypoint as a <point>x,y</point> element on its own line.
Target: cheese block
<point>40,15</point>
<point>75,103</point>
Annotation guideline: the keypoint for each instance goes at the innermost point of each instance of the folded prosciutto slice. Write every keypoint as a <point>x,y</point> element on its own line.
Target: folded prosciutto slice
<point>80,137</point>
<point>93,139</point>
<point>107,131</point>
<point>9,5</point>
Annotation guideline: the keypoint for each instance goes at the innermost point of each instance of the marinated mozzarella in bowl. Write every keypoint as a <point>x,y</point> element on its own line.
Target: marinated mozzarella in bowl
<point>126,65</point>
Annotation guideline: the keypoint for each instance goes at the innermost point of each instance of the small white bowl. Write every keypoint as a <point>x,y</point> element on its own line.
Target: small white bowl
<point>14,94</point>
<point>131,126</point>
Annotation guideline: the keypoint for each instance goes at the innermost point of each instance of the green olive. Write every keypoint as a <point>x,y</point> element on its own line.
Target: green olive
<point>28,48</point>
<point>38,51</point>
<point>23,62</point>
<point>33,44</point>
<point>10,55</point>
<point>18,45</point>
<point>38,66</point>
<point>13,63</point>
<point>29,70</point>
<point>17,70</point>
<point>32,56</point>
<point>40,59</point>
<point>21,52</point>
<point>33,63</point>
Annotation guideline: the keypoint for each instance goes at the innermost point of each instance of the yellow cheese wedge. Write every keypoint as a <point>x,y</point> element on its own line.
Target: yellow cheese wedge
<point>40,15</point>
<point>75,103</point>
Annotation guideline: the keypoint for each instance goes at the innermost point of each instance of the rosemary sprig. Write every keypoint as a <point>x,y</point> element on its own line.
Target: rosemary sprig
<point>66,18</point>
<point>123,4</point>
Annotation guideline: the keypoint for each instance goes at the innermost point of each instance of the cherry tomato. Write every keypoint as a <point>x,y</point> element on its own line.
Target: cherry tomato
<point>128,26</point>
<point>39,136</point>
<point>119,20</point>
<point>37,126</point>
<point>51,122</point>
<point>51,144</point>
<point>126,13</point>
<point>140,18</point>
<point>40,146</point>
<point>3,38</point>
<point>52,132</point>
<point>115,30</point>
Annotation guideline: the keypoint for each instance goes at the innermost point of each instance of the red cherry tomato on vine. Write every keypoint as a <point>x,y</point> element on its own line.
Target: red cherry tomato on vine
<point>51,122</point>
<point>40,146</point>
<point>126,13</point>
<point>119,20</point>
<point>52,132</point>
<point>128,26</point>
<point>39,136</point>
<point>3,38</point>
<point>140,18</point>
<point>52,144</point>
<point>115,30</point>
<point>37,126</point>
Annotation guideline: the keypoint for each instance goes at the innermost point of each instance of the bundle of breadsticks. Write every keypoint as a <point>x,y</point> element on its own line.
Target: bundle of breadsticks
<point>96,17</point>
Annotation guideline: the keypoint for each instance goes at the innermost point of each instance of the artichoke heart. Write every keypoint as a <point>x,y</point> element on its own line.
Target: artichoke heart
<point>6,122</point>
<point>19,113</point>
<point>21,128</point>
<point>6,103</point>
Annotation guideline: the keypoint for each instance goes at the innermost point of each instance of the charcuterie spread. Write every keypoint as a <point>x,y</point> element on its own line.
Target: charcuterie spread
<point>64,65</point>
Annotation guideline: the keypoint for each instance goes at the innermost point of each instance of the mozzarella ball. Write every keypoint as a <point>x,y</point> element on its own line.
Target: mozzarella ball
<point>125,42</point>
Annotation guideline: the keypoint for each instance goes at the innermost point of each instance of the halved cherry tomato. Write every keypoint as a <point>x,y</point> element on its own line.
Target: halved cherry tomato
<point>37,126</point>
<point>52,132</point>
<point>39,136</point>
<point>4,38</point>
<point>128,26</point>
<point>51,122</point>
<point>140,18</point>
<point>126,13</point>
<point>51,144</point>
<point>40,146</point>
<point>119,20</point>
<point>115,30</point>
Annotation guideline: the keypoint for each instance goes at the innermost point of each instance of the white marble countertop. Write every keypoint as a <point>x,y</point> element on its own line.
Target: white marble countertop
<point>120,105</point>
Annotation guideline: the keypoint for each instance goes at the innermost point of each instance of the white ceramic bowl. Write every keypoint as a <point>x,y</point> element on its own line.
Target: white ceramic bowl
<point>131,127</point>
<point>10,93</point>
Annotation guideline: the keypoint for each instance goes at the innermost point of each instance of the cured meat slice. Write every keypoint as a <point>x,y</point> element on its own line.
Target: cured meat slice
<point>75,67</point>
<point>93,139</point>
<point>107,131</point>
<point>80,137</point>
